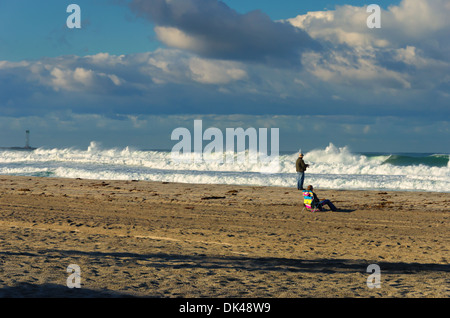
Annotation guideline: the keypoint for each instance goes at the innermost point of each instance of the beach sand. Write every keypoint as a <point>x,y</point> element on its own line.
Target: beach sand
<point>155,239</point>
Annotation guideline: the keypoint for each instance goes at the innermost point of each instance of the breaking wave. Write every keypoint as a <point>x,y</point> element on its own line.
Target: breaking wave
<point>332,167</point>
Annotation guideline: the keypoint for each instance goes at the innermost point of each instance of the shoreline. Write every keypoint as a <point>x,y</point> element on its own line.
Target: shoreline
<point>293,187</point>
<point>161,239</point>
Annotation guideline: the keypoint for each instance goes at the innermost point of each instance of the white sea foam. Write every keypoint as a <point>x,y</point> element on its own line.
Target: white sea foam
<point>332,167</point>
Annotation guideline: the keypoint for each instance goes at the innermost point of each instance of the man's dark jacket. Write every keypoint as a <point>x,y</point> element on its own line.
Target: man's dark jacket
<point>300,165</point>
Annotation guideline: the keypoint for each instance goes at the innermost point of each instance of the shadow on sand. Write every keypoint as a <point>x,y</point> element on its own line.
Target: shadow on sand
<point>27,290</point>
<point>200,261</point>
<point>247,263</point>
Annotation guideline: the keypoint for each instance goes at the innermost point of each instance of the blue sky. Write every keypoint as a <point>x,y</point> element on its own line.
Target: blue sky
<point>136,70</point>
<point>39,27</point>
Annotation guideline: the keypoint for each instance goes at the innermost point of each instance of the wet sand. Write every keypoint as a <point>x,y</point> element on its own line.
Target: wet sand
<point>153,239</point>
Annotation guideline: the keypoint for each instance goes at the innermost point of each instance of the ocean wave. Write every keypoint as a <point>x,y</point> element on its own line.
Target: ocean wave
<point>331,167</point>
<point>431,160</point>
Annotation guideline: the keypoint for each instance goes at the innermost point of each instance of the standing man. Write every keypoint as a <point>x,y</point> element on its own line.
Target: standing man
<point>301,168</point>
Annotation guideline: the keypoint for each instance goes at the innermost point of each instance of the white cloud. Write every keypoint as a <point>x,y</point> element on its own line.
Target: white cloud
<point>360,69</point>
<point>176,38</point>
<point>80,79</point>
<point>215,72</point>
<point>60,78</point>
<point>346,24</point>
<point>420,23</point>
<point>409,55</point>
<point>83,76</point>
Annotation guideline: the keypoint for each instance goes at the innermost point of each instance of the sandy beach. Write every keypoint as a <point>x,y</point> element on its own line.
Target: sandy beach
<point>154,239</point>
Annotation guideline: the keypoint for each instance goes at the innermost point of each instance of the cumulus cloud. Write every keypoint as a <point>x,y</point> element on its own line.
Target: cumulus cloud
<point>222,72</point>
<point>213,30</point>
<point>409,55</point>
<point>415,23</point>
<point>140,83</point>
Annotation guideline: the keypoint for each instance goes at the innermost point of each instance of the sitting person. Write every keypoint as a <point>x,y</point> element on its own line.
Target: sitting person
<point>319,203</point>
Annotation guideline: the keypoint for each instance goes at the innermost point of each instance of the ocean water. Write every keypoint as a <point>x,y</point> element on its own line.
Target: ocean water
<point>330,168</point>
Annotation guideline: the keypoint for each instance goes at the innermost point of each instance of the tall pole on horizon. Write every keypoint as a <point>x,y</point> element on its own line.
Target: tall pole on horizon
<point>27,139</point>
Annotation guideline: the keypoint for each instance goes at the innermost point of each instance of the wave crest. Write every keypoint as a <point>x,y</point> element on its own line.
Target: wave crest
<point>331,167</point>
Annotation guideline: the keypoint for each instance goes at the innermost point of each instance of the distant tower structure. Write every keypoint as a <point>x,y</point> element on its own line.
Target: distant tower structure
<point>27,139</point>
